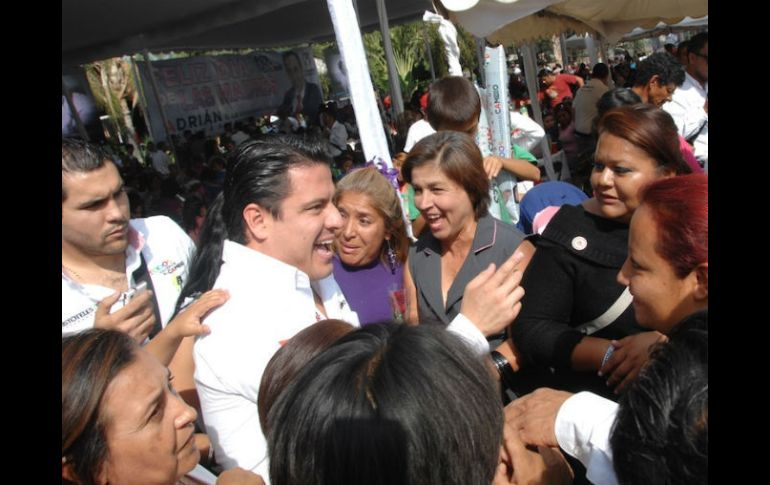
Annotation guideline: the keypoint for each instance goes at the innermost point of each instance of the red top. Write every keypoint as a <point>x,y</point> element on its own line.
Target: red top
<point>562,88</point>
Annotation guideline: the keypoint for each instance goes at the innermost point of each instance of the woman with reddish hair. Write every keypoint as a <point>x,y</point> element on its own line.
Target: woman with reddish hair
<point>667,268</point>
<point>667,273</point>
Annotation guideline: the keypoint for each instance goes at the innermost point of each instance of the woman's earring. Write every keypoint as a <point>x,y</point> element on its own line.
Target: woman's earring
<point>391,257</point>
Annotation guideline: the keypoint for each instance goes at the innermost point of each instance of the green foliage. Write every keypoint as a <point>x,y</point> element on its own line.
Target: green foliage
<point>325,80</point>
<point>405,62</point>
<point>113,87</point>
<point>467,43</point>
<point>375,57</point>
<point>411,58</point>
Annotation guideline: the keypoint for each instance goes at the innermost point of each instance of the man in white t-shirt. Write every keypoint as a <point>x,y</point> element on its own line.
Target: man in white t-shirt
<point>336,131</point>
<point>689,103</point>
<point>104,254</point>
<point>160,160</point>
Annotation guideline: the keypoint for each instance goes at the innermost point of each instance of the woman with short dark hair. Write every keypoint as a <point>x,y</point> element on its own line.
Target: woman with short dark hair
<point>451,190</point>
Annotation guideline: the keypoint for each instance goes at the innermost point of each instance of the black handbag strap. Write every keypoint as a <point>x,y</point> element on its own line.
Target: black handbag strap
<point>691,139</point>
<point>141,274</point>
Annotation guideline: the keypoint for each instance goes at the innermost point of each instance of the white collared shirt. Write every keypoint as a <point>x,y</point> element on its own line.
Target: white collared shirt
<point>270,301</point>
<point>687,109</point>
<point>583,426</point>
<point>167,252</point>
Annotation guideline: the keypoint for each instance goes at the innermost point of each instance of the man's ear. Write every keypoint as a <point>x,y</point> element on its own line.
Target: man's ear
<point>257,222</point>
<point>654,81</point>
<point>702,282</point>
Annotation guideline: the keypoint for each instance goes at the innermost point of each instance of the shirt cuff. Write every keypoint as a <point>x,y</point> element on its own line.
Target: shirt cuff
<point>469,333</point>
<point>583,426</point>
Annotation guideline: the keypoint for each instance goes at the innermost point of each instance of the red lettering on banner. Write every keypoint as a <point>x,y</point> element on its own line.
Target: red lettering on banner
<point>203,96</point>
<point>221,70</point>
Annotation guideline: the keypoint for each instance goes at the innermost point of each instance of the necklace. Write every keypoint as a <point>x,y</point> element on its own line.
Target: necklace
<point>117,282</point>
<point>74,273</point>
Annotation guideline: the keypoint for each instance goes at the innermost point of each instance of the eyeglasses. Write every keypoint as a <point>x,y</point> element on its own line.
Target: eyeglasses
<point>705,56</point>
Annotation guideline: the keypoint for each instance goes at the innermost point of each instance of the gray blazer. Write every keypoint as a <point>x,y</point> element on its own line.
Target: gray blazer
<point>494,242</point>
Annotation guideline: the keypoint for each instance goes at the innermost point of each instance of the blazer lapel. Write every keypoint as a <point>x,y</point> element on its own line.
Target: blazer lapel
<point>486,234</point>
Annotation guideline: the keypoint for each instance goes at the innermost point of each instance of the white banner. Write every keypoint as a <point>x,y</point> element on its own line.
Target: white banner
<point>495,103</point>
<point>205,92</point>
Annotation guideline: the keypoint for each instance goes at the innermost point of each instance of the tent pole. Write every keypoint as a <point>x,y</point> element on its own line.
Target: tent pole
<point>563,49</point>
<point>142,100</point>
<point>362,94</point>
<point>480,45</point>
<point>370,126</point>
<point>397,100</point>
<point>73,110</point>
<point>163,117</point>
<point>427,49</point>
<point>591,48</point>
<point>530,73</point>
<point>603,51</point>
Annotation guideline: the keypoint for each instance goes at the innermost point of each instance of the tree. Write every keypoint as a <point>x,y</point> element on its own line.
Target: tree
<point>113,86</point>
<point>411,59</point>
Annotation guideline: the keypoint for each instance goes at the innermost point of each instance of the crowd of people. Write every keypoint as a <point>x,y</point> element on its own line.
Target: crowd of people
<point>266,307</point>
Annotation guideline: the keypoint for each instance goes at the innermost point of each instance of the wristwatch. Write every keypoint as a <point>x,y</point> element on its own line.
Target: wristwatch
<point>507,376</point>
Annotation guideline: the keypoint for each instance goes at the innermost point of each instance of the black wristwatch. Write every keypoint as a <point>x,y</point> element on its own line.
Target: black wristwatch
<point>507,376</point>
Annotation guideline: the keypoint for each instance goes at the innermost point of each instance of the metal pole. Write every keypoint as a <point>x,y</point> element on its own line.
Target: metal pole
<point>142,100</point>
<point>397,100</point>
<point>155,90</point>
<point>73,110</point>
<point>591,48</point>
<point>563,48</point>
<point>603,51</point>
<point>427,49</point>
<point>530,71</point>
<point>480,45</point>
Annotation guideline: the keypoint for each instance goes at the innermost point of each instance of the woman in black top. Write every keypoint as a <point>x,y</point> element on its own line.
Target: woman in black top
<point>573,306</point>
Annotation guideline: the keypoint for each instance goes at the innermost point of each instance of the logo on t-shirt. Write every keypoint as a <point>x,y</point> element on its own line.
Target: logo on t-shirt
<point>167,267</point>
<point>78,316</point>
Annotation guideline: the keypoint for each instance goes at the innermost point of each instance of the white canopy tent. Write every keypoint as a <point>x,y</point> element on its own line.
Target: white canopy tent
<point>524,21</point>
<point>662,28</point>
<point>507,21</point>
<point>98,29</point>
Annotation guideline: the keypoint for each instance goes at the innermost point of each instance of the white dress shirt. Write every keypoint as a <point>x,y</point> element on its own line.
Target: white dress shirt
<point>270,301</point>
<point>687,108</point>
<point>583,427</point>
